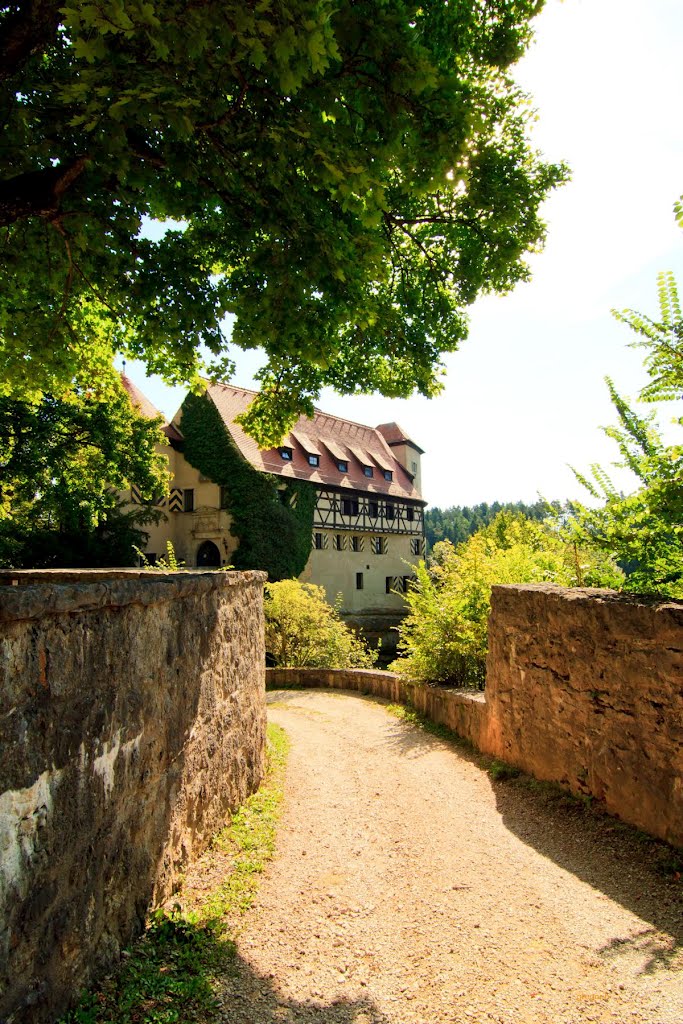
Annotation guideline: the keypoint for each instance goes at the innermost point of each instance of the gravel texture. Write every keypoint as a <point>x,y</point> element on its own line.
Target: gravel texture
<point>409,888</point>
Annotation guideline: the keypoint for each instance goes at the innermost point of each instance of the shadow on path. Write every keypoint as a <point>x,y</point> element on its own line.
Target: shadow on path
<point>642,874</point>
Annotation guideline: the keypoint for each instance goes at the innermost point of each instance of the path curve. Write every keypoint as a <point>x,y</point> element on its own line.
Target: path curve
<point>408,888</point>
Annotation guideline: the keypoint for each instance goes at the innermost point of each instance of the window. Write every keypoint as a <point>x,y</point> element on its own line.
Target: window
<point>339,544</point>
<point>359,581</point>
<point>224,497</point>
<point>415,546</point>
<point>378,546</point>
<point>342,466</point>
<point>413,468</point>
<point>388,475</point>
<point>410,514</point>
<point>356,544</point>
<point>318,541</point>
<point>349,506</point>
<point>367,470</point>
<point>373,509</point>
<point>313,460</point>
<point>388,510</point>
<point>286,454</point>
<point>188,499</point>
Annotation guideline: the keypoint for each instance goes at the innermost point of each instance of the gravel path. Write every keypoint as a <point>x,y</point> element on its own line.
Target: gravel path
<point>408,888</point>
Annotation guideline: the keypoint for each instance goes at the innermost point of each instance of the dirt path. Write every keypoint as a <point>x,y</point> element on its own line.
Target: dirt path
<point>408,888</point>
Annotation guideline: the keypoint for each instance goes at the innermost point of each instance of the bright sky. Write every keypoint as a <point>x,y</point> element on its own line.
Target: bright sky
<point>525,395</point>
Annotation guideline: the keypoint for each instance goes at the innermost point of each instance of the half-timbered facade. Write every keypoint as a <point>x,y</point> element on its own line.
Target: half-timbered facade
<point>368,525</point>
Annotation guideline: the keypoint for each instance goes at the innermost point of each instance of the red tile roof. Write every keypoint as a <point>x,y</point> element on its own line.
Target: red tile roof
<point>395,435</point>
<point>145,408</point>
<point>331,437</point>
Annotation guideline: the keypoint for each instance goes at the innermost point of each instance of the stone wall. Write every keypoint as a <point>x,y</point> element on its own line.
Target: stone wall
<point>584,688</point>
<point>132,719</point>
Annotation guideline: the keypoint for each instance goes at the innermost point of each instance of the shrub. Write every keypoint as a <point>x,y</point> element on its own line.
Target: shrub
<point>303,629</point>
<point>444,636</point>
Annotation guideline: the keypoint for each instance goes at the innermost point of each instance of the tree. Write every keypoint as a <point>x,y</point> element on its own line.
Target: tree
<point>444,637</point>
<point>302,629</point>
<point>343,177</point>
<point>457,523</point>
<point>64,462</point>
<point>644,530</point>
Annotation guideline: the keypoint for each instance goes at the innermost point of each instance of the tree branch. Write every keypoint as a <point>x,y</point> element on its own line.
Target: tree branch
<point>38,193</point>
<point>25,32</point>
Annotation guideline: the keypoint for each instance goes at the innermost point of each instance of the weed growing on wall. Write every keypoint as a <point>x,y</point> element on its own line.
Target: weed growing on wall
<point>274,525</point>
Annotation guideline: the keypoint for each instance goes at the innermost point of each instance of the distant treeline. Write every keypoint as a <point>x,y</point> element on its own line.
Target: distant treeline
<point>460,522</point>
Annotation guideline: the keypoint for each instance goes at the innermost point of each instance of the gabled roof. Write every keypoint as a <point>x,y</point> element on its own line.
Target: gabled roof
<point>331,438</point>
<point>395,435</point>
<point>146,409</point>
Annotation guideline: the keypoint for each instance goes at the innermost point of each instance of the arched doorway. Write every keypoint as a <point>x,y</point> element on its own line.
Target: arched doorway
<point>208,556</point>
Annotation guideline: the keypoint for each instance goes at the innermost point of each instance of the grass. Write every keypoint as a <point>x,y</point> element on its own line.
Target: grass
<point>172,974</point>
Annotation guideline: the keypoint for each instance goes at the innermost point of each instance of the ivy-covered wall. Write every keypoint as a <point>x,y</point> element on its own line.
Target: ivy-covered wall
<point>273,526</point>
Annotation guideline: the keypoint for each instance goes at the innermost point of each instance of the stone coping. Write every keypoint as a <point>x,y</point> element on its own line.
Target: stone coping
<point>31,594</point>
<point>370,680</point>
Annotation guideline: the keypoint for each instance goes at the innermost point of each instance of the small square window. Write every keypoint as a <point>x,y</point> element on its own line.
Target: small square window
<point>373,509</point>
<point>389,510</point>
<point>367,470</point>
<point>349,506</point>
<point>359,581</point>
<point>342,466</point>
<point>286,454</point>
<point>318,541</point>
<point>410,514</point>
<point>355,544</point>
<point>313,460</point>
<point>388,475</point>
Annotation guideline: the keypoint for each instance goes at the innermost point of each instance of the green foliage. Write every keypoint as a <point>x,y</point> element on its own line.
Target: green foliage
<point>274,524</point>
<point>64,459</point>
<point>444,636</point>
<point>644,530</point>
<point>302,629</point>
<point>459,522</point>
<point>343,177</point>
<point>168,564</point>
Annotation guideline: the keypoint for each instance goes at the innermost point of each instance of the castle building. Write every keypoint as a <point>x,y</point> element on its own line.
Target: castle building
<point>368,520</point>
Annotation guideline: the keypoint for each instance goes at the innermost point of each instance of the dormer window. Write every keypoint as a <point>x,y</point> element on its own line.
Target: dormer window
<point>367,470</point>
<point>342,466</point>
<point>388,475</point>
<point>313,460</point>
<point>286,453</point>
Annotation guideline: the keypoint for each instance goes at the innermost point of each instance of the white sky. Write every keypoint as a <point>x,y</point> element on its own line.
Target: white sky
<point>525,395</point>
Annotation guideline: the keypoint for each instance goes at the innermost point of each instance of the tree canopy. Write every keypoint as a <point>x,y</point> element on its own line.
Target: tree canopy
<point>343,177</point>
<point>64,463</point>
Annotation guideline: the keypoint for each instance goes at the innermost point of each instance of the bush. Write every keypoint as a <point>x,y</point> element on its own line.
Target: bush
<point>304,630</point>
<point>444,636</point>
